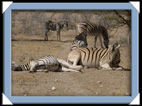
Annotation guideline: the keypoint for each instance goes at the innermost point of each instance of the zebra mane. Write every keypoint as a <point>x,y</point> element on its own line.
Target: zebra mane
<point>81,37</point>
<point>62,23</point>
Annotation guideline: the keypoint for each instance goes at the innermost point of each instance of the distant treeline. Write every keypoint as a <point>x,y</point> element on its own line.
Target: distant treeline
<point>32,22</point>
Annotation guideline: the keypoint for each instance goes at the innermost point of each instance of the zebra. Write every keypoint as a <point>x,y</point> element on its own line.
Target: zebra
<point>96,30</point>
<point>95,57</point>
<point>79,42</point>
<point>55,27</point>
<point>45,64</point>
<point>116,58</point>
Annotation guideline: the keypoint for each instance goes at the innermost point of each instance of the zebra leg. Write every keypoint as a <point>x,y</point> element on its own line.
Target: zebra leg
<point>95,41</point>
<point>33,66</point>
<point>64,69</point>
<point>46,36</point>
<point>106,66</point>
<point>66,64</point>
<point>100,38</point>
<point>75,61</point>
<point>58,35</point>
<point>43,70</point>
<point>118,68</point>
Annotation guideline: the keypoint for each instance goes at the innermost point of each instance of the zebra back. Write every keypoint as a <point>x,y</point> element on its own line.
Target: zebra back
<point>93,29</point>
<point>46,61</point>
<point>62,24</point>
<point>93,57</point>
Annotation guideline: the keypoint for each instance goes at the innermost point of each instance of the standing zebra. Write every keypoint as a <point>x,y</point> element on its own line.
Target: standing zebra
<point>93,57</point>
<point>96,30</point>
<point>79,42</point>
<point>46,63</point>
<point>55,27</point>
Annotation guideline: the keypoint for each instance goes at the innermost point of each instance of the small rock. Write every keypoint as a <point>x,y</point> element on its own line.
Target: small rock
<point>56,80</point>
<point>99,82</point>
<point>53,88</point>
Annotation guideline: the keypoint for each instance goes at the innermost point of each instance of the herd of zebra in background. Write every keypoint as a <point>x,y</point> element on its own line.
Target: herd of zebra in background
<point>80,56</point>
<point>83,29</point>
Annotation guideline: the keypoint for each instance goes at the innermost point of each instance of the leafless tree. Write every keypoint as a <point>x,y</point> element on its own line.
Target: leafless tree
<point>126,21</point>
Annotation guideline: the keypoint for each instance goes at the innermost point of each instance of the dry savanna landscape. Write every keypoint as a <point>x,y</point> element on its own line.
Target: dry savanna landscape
<point>28,30</point>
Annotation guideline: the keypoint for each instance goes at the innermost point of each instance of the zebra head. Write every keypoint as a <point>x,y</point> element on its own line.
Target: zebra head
<point>114,53</point>
<point>15,67</point>
<point>48,22</point>
<point>82,37</point>
<point>64,24</point>
<point>78,44</point>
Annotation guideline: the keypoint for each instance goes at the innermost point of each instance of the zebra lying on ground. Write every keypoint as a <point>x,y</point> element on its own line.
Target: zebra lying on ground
<point>80,57</point>
<point>55,27</point>
<point>79,42</point>
<point>93,57</point>
<point>95,30</point>
<point>47,63</point>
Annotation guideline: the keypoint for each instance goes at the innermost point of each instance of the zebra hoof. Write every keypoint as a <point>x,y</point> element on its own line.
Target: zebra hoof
<point>31,71</point>
<point>113,69</point>
<point>99,68</point>
<point>86,67</point>
<point>46,71</point>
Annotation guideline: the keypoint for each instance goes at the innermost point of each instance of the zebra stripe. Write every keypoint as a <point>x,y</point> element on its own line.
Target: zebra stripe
<point>78,44</point>
<point>94,57</point>
<point>52,26</point>
<point>47,62</point>
<point>95,30</point>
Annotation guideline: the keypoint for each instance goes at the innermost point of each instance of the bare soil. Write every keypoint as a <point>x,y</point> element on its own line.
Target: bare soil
<point>92,82</point>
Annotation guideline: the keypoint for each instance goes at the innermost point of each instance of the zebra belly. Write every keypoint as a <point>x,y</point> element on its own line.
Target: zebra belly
<point>49,67</point>
<point>91,64</point>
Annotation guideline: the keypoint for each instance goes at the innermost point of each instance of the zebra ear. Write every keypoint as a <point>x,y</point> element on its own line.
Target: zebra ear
<point>116,46</point>
<point>13,63</point>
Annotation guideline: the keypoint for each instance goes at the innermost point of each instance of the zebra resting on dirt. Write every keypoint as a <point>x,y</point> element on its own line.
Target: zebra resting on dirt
<point>95,30</point>
<point>45,64</point>
<point>55,27</point>
<point>93,57</point>
<point>79,42</point>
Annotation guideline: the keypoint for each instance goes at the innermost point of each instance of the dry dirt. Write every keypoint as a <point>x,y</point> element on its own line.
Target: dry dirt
<point>92,82</point>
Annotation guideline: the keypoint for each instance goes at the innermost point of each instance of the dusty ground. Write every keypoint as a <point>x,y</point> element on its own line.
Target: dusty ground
<point>92,82</point>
